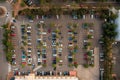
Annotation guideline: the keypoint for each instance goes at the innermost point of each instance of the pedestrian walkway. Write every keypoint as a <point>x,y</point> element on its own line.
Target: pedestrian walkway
<point>38,67</point>
<point>9,67</point>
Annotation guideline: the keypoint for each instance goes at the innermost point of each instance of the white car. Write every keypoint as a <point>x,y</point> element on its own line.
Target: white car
<point>29,60</point>
<point>28,27</point>
<point>38,52</point>
<point>23,59</point>
<point>101,54</point>
<point>54,55</point>
<point>39,60</point>
<point>16,69</point>
<point>92,51</point>
<point>29,43</point>
<point>91,30</point>
<point>12,27</point>
<point>85,41</point>
<point>29,50</point>
<point>41,21</point>
<point>39,39</point>
<point>53,43</point>
<point>60,61</point>
<point>28,31</point>
<point>92,16</point>
<point>101,69</point>
<point>57,16</point>
<point>70,32</point>
<point>44,44</point>
<point>30,21</point>
<point>43,33</point>
<point>59,49</point>
<point>70,44</point>
<point>29,55</point>
<point>61,45</point>
<point>7,14</point>
<point>14,56</point>
<point>83,16</point>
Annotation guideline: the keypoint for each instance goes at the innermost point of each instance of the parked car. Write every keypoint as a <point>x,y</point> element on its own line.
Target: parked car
<point>29,50</point>
<point>43,56</point>
<point>70,44</point>
<point>13,33</point>
<point>60,50</point>
<point>29,27</point>
<point>43,51</point>
<point>44,44</point>
<point>39,61</point>
<point>28,2</point>
<point>29,60</point>
<point>29,43</point>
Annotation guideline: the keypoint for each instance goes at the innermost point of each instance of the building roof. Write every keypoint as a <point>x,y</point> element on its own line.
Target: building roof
<point>33,77</point>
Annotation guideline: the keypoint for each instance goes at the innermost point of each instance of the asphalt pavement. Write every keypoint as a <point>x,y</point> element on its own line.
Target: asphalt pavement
<point>3,62</point>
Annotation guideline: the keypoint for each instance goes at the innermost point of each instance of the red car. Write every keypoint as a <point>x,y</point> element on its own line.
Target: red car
<point>13,34</point>
<point>44,61</point>
<point>49,30</point>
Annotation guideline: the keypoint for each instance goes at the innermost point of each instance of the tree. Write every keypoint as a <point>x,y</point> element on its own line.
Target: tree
<point>9,56</point>
<point>117,0</point>
<point>89,36</point>
<point>75,64</point>
<point>52,24</point>
<point>89,44</point>
<point>42,2</point>
<point>48,1</point>
<point>55,11</point>
<point>75,25</point>
<point>89,53</point>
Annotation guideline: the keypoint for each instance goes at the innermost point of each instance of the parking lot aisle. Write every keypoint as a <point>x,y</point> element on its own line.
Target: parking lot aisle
<point>65,45</point>
<point>64,41</point>
<point>34,44</point>
<point>80,36</point>
<point>97,32</point>
<point>49,50</point>
<point>18,45</point>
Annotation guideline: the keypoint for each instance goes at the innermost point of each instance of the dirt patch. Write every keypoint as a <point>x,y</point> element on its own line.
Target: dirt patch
<point>2,11</point>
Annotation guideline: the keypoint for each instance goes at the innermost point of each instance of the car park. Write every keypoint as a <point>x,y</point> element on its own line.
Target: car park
<point>56,47</point>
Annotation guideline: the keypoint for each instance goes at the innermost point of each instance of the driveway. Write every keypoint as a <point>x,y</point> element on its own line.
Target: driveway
<point>9,10</point>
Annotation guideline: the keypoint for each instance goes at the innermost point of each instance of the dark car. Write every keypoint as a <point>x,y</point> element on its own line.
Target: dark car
<point>43,55</point>
<point>54,61</point>
<point>39,63</point>
<point>28,2</point>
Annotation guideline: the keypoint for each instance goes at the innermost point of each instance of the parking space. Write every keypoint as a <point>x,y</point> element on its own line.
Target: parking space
<point>57,45</point>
